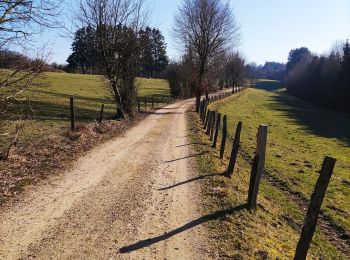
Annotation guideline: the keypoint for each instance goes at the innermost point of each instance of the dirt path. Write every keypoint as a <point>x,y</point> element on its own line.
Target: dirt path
<point>124,200</point>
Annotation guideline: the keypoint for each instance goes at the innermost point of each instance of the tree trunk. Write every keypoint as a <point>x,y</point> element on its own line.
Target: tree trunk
<point>119,114</point>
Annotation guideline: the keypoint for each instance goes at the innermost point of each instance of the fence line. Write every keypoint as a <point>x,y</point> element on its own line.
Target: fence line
<point>207,119</point>
<point>154,100</point>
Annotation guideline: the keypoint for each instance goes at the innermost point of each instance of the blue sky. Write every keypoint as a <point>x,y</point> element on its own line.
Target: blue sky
<point>270,28</point>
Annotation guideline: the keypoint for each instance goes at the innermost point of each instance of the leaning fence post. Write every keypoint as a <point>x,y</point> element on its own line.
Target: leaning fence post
<point>313,211</point>
<point>72,114</point>
<point>209,122</point>
<point>234,152</point>
<point>223,138</point>
<point>101,113</point>
<point>257,167</point>
<point>204,113</point>
<point>212,126</point>
<point>206,119</point>
<point>218,119</point>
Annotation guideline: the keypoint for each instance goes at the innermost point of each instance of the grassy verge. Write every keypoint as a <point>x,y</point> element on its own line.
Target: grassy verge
<point>300,135</point>
<point>270,233</point>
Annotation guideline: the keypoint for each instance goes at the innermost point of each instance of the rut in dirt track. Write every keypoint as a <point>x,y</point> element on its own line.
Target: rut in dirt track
<point>127,199</point>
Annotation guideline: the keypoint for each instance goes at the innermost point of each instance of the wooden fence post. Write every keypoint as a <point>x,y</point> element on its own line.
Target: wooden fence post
<point>206,119</point>
<point>257,167</point>
<point>204,112</point>
<point>217,128</point>
<point>72,114</point>
<point>234,151</point>
<point>313,211</point>
<point>101,113</point>
<point>145,103</point>
<point>211,134</point>
<point>209,122</point>
<point>223,138</point>
<point>152,102</point>
<point>138,105</point>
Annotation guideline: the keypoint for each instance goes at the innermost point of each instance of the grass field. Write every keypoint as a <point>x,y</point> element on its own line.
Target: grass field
<point>300,135</point>
<point>51,103</point>
<point>270,233</point>
<point>269,85</point>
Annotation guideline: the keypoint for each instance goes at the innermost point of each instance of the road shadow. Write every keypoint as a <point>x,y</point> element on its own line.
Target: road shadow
<point>185,136</point>
<point>189,180</point>
<point>313,119</point>
<point>189,144</point>
<point>199,221</point>
<point>186,157</point>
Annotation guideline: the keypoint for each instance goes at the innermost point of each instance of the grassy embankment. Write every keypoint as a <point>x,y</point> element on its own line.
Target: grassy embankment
<point>51,103</point>
<point>300,135</point>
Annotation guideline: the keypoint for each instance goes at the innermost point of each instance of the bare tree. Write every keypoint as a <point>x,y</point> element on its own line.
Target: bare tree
<point>234,69</point>
<point>209,28</point>
<point>20,20</point>
<point>116,24</point>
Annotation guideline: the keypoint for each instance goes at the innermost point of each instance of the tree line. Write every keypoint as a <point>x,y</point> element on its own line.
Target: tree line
<point>321,79</point>
<point>207,32</point>
<point>229,71</point>
<point>149,43</point>
<point>270,70</point>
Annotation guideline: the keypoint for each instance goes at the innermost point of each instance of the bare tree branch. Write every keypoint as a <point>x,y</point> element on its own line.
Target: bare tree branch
<point>207,28</point>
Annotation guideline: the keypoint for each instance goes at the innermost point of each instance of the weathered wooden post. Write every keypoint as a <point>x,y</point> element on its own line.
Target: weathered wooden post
<point>206,119</point>
<point>223,138</point>
<point>257,167</point>
<point>152,102</point>
<point>101,113</point>
<point>217,128</point>
<point>72,114</point>
<point>209,122</point>
<point>204,112</point>
<point>145,103</point>
<point>234,151</point>
<point>313,211</point>
<point>138,105</point>
<point>211,134</point>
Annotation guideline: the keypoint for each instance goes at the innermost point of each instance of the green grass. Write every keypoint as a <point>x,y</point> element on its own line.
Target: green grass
<point>300,135</point>
<point>51,103</point>
<point>269,85</point>
<point>270,233</point>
